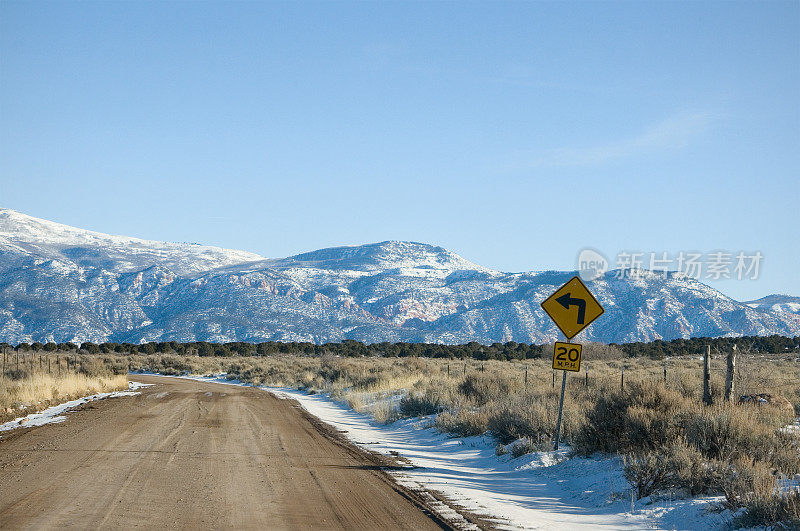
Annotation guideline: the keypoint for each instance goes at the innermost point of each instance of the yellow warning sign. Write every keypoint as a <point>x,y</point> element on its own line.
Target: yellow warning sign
<point>572,307</point>
<point>567,356</point>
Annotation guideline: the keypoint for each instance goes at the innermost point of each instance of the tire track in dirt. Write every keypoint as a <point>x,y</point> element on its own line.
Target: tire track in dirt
<point>188,454</point>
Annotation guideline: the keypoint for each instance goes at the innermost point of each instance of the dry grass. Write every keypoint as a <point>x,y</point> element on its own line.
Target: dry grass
<point>672,442</point>
<point>31,387</point>
<point>479,391</point>
<point>669,439</point>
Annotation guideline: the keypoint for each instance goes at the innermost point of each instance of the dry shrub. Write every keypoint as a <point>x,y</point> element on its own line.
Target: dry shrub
<point>518,417</point>
<point>484,388</point>
<point>384,412</point>
<point>527,445</point>
<point>671,442</point>
<point>651,471</point>
<point>752,485</point>
<point>746,479</point>
<point>777,510</point>
<point>419,405</point>
<point>462,422</point>
<point>676,467</point>
<point>643,418</point>
<point>732,432</point>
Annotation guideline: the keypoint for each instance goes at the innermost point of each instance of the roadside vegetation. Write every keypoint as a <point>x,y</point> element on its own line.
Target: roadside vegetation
<point>647,410</point>
<point>670,442</point>
<point>34,380</point>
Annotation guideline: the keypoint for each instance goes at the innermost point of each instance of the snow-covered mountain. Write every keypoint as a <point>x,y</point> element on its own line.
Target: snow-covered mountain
<point>25,235</point>
<point>783,303</point>
<point>778,303</point>
<point>58,283</point>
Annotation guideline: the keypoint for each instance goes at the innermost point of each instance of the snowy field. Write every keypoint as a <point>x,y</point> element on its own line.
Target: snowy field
<point>542,490</point>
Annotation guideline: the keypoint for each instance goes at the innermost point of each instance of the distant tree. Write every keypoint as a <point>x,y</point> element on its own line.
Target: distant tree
<point>90,347</point>
<point>262,349</point>
<point>204,348</point>
<point>221,350</point>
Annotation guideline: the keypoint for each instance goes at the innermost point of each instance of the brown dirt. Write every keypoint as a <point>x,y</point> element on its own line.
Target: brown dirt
<point>196,455</point>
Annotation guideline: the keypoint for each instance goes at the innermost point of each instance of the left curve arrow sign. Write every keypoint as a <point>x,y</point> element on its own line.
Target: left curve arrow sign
<point>566,301</point>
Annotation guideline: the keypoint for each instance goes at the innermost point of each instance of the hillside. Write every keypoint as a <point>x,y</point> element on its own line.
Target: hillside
<point>60,283</point>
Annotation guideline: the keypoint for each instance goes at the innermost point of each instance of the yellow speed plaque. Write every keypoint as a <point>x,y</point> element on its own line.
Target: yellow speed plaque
<point>567,356</point>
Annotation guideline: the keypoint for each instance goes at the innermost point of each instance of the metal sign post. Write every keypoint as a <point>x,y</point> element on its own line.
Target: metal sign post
<point>560,410</point>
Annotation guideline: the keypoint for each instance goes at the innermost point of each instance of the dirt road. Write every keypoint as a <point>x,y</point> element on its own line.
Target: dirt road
<point>194,455</point>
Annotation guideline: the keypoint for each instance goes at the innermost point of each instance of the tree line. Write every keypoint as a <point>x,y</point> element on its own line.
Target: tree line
<point>660,349</point>
<point>510,350</point>
<point>498,351</point>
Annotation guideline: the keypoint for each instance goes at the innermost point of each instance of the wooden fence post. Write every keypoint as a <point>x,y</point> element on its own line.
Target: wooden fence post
<point>729,375</point>
<point>665,374</point>
<point>707,398</point>
<point>622,380</point>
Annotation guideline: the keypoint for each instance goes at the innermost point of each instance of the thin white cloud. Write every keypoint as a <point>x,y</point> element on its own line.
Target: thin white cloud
<point>673,133</point>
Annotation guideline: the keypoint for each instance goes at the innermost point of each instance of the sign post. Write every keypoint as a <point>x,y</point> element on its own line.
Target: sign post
<point>572,308</point>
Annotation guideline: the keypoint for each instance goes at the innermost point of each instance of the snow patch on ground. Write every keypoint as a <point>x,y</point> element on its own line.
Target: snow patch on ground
<point>54,414</point>
<point>541,490</point>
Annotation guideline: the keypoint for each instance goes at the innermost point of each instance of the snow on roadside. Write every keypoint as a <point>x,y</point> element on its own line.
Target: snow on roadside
<point>542,490</point>
<point>54,414</point>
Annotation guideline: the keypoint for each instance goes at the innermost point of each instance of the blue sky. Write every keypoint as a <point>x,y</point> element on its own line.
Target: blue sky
<point>512,133</point>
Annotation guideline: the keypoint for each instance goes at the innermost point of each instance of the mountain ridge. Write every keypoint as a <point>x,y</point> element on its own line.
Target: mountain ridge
<point>64,284</point>
<point>49,239</point>
<point>778,303</point>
